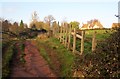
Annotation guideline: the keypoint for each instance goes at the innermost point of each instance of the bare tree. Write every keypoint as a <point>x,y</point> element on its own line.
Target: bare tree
<point>34,17</point>
<point>48,19</point>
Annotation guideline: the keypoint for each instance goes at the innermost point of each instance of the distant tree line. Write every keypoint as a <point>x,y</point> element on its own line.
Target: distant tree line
<point>49,22</point>
<point>21,30</point>
<point>15,30</point>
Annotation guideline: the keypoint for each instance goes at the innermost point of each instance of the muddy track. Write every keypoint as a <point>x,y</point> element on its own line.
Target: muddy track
<point>54,60</point>
<point>35,65</point>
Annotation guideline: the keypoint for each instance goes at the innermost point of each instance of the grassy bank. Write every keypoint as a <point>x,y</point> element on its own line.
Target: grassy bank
<point>8,53</point>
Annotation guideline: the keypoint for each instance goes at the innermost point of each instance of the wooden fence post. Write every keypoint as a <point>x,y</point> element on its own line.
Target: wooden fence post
<point>66,38</point>
<point>53,28</point>
<point>74,40</point>
<point>58,29</point>
<point>82,42</point>
<point>69,36</point>
<point>94,41</point>
<point>61,34</point>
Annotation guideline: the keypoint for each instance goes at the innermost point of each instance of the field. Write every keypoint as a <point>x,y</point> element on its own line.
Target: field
<point>101,35</point>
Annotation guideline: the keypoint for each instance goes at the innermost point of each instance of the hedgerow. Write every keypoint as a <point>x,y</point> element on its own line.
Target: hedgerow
<point>104,62</point>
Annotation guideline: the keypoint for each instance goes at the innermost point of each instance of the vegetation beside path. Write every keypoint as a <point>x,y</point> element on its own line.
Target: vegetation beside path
<point>9,52</point>
<point>56,53</point>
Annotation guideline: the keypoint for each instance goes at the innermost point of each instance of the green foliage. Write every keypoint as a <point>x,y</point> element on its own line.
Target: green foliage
<point>4,44</point>
<point>104,61</point>
<point>22,47</point>
<point>66,58</point>
<point>87,45</point>
<point>22,58</point>
<point>21,27</point>
<point>28,33</point>
<point>100,35</point>
<point>43,51</point>
<point>21,24</point>
<point>75,24</point>
<point>6,60</point>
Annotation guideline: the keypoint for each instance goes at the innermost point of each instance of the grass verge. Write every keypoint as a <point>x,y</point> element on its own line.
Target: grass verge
<point>7,59</point>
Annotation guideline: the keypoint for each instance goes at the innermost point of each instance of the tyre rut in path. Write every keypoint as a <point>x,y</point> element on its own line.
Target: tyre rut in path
<point>54,60</point>
<point>35,65</point>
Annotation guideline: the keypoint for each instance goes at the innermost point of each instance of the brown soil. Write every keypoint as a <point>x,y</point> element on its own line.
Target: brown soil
<point>35,65</point>
<point>56,64</point>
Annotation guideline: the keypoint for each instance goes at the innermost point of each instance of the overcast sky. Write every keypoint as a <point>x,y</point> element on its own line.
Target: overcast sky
<point>72,10</point>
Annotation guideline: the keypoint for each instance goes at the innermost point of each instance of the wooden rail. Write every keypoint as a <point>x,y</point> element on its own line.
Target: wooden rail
<point>65,34</point>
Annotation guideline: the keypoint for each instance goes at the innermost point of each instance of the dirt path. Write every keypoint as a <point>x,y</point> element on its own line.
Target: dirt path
<point>56,65</point>
<point>35,65</point>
